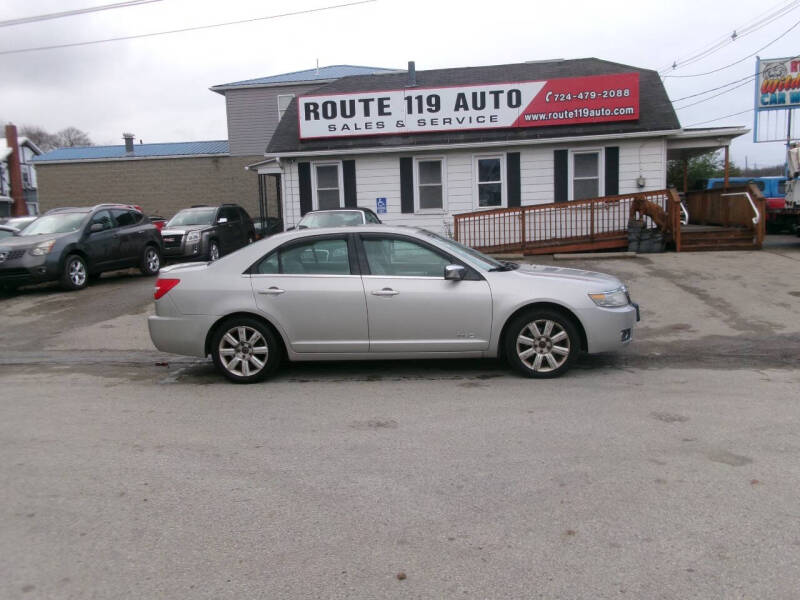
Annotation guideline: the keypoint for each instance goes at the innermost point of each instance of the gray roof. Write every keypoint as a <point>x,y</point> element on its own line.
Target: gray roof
<point>655,109</point>
<point>309,75</point>
<point>139,151</point>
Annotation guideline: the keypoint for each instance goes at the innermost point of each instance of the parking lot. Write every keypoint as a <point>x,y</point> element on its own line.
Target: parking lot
<point>667,471</point>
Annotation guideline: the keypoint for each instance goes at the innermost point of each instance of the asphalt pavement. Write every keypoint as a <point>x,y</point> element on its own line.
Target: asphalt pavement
<point>669,470</point>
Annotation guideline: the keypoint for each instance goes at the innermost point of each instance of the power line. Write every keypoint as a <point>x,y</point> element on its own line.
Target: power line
<point>740,60</point>
<point>720,118</point>
<point>714,89</point>
<point>70,13</point>
<point>186,29</point>
<point>716,95</point>
<point>762,21</point>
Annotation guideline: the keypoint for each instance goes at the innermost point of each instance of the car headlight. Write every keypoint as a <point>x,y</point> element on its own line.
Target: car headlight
<point>193,236</point>
<point>43,248</point>
<point>613,299</point>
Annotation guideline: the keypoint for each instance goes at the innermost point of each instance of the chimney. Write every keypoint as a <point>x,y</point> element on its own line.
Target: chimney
<point>15,172</point>
<point>412,74</point>
<point>128,137</point>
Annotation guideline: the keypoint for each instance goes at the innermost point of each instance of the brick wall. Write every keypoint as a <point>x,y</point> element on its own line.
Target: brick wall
<point>159,186</point>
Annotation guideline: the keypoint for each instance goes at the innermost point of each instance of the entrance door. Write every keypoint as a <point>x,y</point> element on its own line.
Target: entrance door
<point>270,204</point>
<point>410,305</point>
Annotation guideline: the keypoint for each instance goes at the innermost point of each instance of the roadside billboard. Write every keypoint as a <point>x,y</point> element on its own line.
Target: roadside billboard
<point>777,98</point>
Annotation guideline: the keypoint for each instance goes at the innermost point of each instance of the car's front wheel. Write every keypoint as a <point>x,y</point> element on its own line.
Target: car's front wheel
<point>245,350</point>
<point>542,343</point>
<point>213,250</point>
<point>151,261</point>
<point>74,276</point>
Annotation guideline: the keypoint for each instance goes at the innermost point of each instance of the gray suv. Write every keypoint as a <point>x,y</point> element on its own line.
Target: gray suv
<point>204,233</point>
<point>71,245</point>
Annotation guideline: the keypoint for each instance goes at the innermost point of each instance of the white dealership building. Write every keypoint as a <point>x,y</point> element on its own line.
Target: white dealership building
<point>420,146</point>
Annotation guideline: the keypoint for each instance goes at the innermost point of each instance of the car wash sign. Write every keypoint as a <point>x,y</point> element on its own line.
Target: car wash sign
<point>778,81</point>
<point>569,101</point>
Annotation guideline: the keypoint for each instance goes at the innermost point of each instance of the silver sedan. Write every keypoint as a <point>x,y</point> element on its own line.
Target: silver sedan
<point>381,292</point>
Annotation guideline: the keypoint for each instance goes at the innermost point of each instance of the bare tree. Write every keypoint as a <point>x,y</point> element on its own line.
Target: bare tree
<point>44,141</point>
<point>72,136</point>
<point>66,138</point>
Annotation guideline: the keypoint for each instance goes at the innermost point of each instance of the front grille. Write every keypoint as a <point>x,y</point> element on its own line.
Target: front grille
<point>15,254</point>
<point>172,241</point>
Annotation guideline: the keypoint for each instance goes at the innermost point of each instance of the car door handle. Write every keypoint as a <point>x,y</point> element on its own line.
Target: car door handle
<point>273,291</point>
<point>385,292</point>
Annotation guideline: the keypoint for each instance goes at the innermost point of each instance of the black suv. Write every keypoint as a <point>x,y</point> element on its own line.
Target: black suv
<point>73,244</point>
<point>207,232</point>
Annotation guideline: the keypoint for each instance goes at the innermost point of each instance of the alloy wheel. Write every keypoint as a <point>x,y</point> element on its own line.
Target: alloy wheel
<point>543,345</point>
<point>152,260</point>
<point>213,252</point>
<point>243,351</point>
<point>77,272</point>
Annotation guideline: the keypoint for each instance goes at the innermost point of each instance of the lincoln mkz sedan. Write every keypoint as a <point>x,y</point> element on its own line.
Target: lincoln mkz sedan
<point>380,292</point>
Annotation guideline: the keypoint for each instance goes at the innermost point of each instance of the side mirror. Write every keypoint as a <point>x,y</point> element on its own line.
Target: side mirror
<point>454,272</point>
<point>222,220</point>
<point>96,227</point>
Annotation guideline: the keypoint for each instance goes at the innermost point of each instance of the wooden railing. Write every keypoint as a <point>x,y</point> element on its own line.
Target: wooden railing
<point>730,208</point>
<point>566,226</point>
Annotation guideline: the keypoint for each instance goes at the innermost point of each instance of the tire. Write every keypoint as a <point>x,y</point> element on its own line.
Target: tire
<point>151,261</point>
<point>75,275</point>
<point>245,350</point>
<point>541,343</point>
<point>213,250</point>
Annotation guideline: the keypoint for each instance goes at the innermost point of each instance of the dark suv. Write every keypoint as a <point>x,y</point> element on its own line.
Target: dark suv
<point>207,232</point>
<point>73,244</point>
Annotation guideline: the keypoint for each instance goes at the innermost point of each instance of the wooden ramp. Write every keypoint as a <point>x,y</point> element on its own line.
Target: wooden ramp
<point>731,219</point>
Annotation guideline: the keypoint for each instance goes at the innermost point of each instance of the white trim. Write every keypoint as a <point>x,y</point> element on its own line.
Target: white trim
<point>339,169</point>
<point>473,145</point>
<point>38,163</point>
<point>306,82</point>
<point>503,183</point>
<point>443,166</point>
<point>601,164</point>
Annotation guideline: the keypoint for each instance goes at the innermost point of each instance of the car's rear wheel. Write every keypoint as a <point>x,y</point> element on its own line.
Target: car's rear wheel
<point>151,261</point>
<point>74,276</point>
<point>542,343</point>
<point>213,250</point>
<point>245,350</point>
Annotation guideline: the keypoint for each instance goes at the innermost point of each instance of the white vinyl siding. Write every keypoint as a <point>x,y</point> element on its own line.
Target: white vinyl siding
<point>378,176</point>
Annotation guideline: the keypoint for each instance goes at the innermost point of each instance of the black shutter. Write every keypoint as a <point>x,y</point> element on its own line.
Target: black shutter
<point>407,185</point>
<point>560,175</point>
<point>512,176</point>
<point>304,173</point>
<point>349,176</point>
<point>612,170</point>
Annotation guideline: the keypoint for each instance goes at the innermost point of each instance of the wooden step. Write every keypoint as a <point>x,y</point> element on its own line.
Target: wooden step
<point>718,246</point>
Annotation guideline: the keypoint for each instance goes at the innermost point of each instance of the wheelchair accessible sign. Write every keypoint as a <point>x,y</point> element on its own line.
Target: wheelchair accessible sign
<point>380,206</point>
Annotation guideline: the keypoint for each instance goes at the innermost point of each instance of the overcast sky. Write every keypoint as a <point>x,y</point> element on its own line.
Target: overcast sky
<point>157,87</point>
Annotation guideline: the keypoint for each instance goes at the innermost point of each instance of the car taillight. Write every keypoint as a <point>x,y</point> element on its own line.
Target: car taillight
<point>163,286</point>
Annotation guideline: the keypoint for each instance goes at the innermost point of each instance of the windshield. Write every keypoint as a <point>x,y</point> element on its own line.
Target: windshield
<point>331,219</point>
<point>57,223</point>
<point>194,216</point>
<point>483,261</point>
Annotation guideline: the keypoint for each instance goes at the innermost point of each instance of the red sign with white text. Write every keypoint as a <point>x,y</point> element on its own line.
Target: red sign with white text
<point>584,100</point>
<point>567,101</point>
